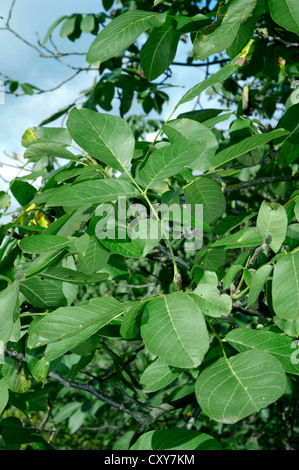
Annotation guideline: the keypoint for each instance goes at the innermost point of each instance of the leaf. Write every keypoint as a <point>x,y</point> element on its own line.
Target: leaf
<point>175,439</point>
<point>130,325</point>
<point>5,200</point>
<point>207,192</point>
<point>248,237</point>
<point>51,29</point>
<point>286,14</point>
<point>173,328</point>
<point>123,247</point>
<point>73,277</point>
<point>235,387</point>
<point>4,394</point>
<point>290,327</point>
<point>67,327</point>
<point>258,280</point>
<point>244,35</point>
<point>246,145</point>
<point>92,192</point>
<point>68,26</point>
<point>104,136</point>
<point>55,135</point>
<point>159,50</point>
<point>188,129</point>
<point>209,299</point>
<point>221,75</point>
<point>168,161</point>
<point>95,258</point>
<point>158,375</point>
<point>15,377</point>
<point>272,219</point>
<point>22,191</point>
<point>45,149</point>
<point>285,286</point>
<point>88,23</point>
<point>43,294</point>
<point>121,32</point>
<point>234,13</point>
<point>43,243</point>
<point>9,309</point>
<point>278,345</point>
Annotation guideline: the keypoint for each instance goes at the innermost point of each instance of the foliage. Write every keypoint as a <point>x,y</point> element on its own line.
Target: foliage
<point>155,342</point>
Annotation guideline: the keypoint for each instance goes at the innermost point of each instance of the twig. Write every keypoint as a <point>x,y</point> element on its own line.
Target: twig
<point>262,180</point>
<point>264,247</point>
<point>178,260</point>
<point>276,39</point>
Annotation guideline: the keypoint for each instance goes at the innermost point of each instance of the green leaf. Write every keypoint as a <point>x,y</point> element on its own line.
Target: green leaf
<point>93,192</point>
<point>272,219</point>
<point>159,50</point>
<point>88,23</point>
<point>95,258</point>
<point>15,377</point>
<point>5,200</point>
<point>68,26</point>
<point>286,14</point>
<point>9,309</point>
<point>39,150</point>
<point>43,294</point>
<point>4,394</point>
<point>173,328</point>
<point>248,237</point>
<point>258,280</point>
<point>235,387</point>
<point>278,345</point>
<point>209,299</point>
<point>51,29</point>
<point>104,136</point>
<point>55,135</point>
<point>67,327</point>
<point>246,145</point>
<point>158,375</point>
<point>207,192</point>
<point>121,32</point>
<point>191,130</point>
<point>73,277</point>
<point>130,325</point>
<point>221,75</point>
<point>22,191</point>
<point>168,161</point>
<point>231,274</point>
<point>175,439</point>
<point>43,243</point>
<point>285,286</point>
<point>290,327</point>
<point>234,13</point>
<point>244,34</point>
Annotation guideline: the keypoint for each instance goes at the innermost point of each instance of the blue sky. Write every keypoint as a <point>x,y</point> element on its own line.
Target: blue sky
<point>20,62</point>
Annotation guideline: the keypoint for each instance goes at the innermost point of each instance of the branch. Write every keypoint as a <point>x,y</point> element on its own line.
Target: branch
<point>264,247</point>
<point>262,180</point>
<point>143,419</point>
<point>186,64</point>
<point>139,417</point>
<point>262,35</point>
<point>178,260</point>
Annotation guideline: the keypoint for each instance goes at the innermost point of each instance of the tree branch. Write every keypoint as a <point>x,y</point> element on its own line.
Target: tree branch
<point>262,180</point>
<point>262,35</point>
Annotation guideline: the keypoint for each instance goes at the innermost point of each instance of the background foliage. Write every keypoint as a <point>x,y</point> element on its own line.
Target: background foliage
<point>150,344</point>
